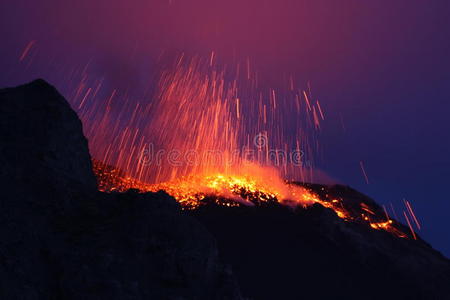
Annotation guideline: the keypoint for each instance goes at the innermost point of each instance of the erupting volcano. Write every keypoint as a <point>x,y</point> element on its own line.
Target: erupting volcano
<point>210,134</point>
<point>144,242</point>
<point>224,150</point>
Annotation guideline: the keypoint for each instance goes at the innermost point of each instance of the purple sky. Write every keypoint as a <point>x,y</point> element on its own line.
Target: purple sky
<point>383,66</point>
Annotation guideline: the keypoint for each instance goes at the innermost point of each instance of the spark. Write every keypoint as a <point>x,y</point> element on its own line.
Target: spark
<point>364,172</point>
<point>410,227</point>
<point>320,110</point>
<point>411,213</point>
<point>27,50</point>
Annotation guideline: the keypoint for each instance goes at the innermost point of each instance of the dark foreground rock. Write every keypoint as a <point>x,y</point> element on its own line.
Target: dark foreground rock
<point>62,239</point>
<point>277,253</point>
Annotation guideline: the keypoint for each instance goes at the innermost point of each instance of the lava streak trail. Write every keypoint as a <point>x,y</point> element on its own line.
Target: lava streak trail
<point>202,119</point>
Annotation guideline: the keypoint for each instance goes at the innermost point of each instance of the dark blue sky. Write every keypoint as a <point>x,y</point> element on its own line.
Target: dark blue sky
<point>383,66</point>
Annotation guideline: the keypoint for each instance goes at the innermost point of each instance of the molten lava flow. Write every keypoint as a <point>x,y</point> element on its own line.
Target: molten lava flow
<point>244,190</point>
<point>232,189</point>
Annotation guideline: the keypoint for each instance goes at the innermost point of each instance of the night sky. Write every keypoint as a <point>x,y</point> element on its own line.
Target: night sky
<point>381,70</point>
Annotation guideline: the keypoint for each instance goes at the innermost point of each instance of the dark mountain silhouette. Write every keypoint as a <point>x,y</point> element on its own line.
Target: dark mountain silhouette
<point>277,253</point>
<point>62,239</point>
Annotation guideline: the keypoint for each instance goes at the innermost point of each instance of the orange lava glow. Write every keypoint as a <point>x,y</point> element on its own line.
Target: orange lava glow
<point>241,190</point>
<point>254,186</point>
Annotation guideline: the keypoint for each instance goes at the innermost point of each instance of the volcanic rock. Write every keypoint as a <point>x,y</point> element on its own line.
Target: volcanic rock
<point>62,239</point>
<point>42,140</point>
<point>280,253</point>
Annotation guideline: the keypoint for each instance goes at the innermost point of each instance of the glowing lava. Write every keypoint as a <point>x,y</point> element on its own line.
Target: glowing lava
<point>255,186</point>
<point>244,190</point>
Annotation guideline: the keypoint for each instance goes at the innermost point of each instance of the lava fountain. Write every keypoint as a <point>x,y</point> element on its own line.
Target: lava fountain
<point>210,133</point>
<point>206,133</point>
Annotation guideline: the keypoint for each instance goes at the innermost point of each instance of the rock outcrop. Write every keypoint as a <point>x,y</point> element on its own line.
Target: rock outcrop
<point>62,239</point>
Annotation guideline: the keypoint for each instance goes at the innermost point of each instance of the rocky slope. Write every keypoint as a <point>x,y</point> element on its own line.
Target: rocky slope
<point>277,253</point>
<point>62,239</point>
